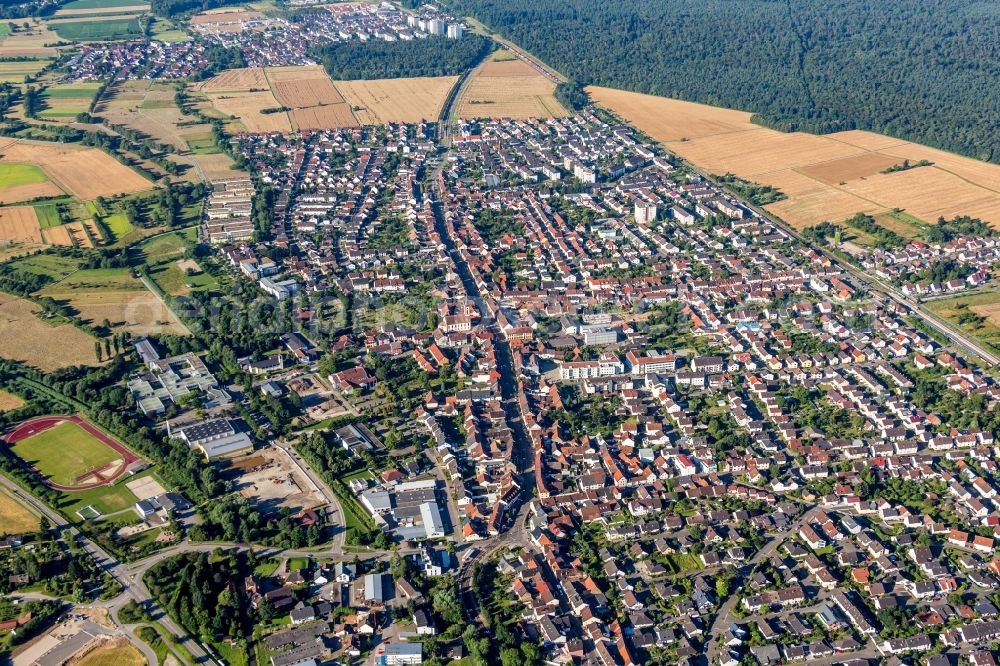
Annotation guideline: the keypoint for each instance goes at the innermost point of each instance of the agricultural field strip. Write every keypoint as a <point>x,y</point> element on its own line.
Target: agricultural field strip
<point>720,140</point>
<point>98,11</point>
<point>95,18</point>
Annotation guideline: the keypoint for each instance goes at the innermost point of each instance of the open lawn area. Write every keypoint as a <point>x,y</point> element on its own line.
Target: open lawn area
<point>165,31</point>
<point>14,518</point>
<point>119,225</point>
<point>48,215</point>
<point>55,266</point>
<point>163,257</point>
<point>64,453</point>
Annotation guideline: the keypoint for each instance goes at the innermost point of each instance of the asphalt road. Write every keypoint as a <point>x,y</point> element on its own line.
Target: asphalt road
<point>957,337</point>
<point>134,589</point>
<point>724,617</point>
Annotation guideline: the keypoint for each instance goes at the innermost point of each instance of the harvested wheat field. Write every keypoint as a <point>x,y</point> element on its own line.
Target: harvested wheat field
<point>85,173</point>
<point>836,172</point>
<point>59,235</point>
<point>236,80</point>
<point>27,192</point>
<point>306,92</point>
<point>213,18</point>
<point>674,120</point>
<point>136,8</point>
<point>215,166</point>
<point>14,516</point>
<point>94,18</point>
<point>26,338</point>
<point>9,401</point>
<point>508,89</point>
<point>30,41</point>
<point>380,101</point>
<point>323,117</point>
<point>19,224</point>
<point>247,107</point>
<point>829,177</point>
<point>76,232</point>
<point>299,87</point>
<point>135,310</point>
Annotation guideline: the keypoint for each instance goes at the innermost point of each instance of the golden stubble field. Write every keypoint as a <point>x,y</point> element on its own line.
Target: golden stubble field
<point>78,234</point>
<point>85,173</point>
<point>224,19</point>
<point>299,87</point>
<point>14,517</point>
<point>26,338</point>
<point>410,100</point>
<point>829,177</point>
<point>20,225</point>
<point>29,41</point>
<point>9,401</point>
<point>135,310</point>
<point>247,107</point>
<point>316,102</point>
<point>508,89</point>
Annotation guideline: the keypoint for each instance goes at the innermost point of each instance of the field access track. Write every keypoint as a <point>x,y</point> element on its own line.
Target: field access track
<point>40,424</point>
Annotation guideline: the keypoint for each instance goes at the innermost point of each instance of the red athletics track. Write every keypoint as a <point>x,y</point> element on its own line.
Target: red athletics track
<point>43,423</point>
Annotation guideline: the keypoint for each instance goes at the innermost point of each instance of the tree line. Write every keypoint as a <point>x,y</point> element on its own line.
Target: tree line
<point>431,56</point>
<point>913,69</point>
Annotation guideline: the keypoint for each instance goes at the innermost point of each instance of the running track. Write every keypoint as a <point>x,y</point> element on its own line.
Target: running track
<point>42,423</point>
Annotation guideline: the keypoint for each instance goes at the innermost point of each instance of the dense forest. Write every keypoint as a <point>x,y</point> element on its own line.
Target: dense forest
<point>925,71</point>
<point>432,56</point>
<point>171,8</point>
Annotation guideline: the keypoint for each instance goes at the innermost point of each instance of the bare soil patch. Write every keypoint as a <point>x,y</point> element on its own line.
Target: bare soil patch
<point>270,480</point>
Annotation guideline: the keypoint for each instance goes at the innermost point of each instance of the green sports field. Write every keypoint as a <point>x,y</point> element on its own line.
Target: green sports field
<point>13,174</point>
<point>64,453</point>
